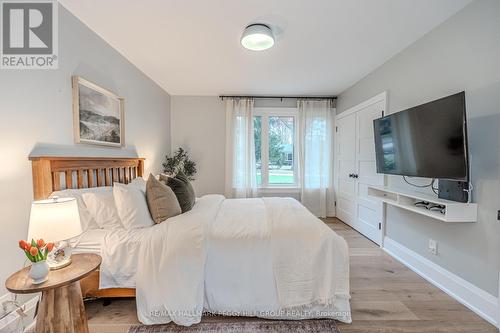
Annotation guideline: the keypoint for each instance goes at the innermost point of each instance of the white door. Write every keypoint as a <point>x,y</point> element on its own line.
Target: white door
<point>356,168</point>
<point>369,211</point>
<point>346,166</point>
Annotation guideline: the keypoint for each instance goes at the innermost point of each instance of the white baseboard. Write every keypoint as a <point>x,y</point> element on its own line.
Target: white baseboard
<point>481,302</point>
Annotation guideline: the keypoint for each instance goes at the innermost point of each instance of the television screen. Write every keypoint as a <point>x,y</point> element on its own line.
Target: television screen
<point>429,140</point>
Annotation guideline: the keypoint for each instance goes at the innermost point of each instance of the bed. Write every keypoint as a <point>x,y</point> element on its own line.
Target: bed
<point>55,173</point>
<point>245,257</point>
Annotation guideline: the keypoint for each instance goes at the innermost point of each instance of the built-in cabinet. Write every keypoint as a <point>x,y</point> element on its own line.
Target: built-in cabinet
<point>355,168</point>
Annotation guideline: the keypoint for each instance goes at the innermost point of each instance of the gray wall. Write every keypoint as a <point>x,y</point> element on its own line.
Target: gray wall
<point>461,54</point>
<point>199,126</point>
<point>36,118</point>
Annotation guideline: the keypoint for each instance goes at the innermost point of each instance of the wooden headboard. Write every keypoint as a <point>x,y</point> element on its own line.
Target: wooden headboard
<point>59,173</point>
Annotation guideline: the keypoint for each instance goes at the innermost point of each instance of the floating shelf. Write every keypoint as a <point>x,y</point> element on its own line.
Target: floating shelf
<point>406,199</point>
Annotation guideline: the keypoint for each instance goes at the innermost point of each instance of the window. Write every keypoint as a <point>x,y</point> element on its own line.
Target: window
<point>275,133</point>
<point>257,136</point>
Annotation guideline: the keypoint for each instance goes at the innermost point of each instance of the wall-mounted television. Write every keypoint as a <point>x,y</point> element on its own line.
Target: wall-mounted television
<point>429,140</point>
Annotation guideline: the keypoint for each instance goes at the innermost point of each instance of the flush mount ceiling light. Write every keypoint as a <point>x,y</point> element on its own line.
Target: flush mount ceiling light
<point>257,37</point>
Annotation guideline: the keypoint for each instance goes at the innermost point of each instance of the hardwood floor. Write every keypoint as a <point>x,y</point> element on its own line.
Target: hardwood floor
<point>386,297</point>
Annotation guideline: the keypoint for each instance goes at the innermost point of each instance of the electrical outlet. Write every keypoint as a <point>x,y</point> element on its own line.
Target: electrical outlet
<point>433,246</point>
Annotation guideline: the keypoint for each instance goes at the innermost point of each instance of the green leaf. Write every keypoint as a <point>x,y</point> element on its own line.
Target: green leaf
<point>30,257</point>
<point>179,161</point>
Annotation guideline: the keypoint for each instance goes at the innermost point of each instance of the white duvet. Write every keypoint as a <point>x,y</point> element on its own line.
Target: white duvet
<point>266,257</point>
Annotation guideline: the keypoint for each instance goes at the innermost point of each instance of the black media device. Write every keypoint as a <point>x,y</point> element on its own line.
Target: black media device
<point>429,140</point>
<point>453,190</point>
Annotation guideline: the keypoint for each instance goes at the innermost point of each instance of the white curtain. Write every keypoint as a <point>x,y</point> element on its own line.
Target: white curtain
<point>241,179</point>
<point>315,153</point>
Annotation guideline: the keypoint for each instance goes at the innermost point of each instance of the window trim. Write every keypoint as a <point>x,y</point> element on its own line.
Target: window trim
<point>265,113</point>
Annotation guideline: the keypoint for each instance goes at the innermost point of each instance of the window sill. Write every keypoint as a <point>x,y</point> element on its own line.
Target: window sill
<point>287,189</point>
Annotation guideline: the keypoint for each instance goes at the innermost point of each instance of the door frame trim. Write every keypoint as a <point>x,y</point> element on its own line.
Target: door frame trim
<point>381,97</point>
<point>375,99</point>
<point>335,164</point>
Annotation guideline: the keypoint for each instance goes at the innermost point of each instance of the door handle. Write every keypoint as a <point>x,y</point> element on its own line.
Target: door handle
<point>355,176</point>
<point>351,175</point>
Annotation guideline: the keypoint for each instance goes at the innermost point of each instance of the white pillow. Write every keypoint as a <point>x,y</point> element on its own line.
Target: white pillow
<point>102,208</point>
<point>85,218</point>
<point>140,183</point>
<point>132,206</point>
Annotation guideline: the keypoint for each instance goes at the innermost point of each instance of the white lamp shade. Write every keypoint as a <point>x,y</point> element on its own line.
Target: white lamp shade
<point>257,37</point>
<point>54,220</point>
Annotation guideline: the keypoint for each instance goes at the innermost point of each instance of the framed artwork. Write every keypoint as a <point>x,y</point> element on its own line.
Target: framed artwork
<point>98,115</point>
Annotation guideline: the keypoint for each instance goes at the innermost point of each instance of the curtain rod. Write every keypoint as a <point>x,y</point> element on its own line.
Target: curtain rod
<point>280,97</point>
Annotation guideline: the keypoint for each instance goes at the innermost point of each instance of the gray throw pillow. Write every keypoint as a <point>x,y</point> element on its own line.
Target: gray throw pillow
<point>162,202</point>
<point>183,190</point>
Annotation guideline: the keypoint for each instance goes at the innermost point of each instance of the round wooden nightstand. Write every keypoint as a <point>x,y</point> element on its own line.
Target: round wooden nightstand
<point>61,307</point>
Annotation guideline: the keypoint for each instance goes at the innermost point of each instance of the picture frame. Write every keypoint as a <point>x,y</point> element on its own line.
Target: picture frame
<point>98,114</point>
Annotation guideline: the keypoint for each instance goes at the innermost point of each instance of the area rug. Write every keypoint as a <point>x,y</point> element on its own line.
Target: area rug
<point>244,326</point>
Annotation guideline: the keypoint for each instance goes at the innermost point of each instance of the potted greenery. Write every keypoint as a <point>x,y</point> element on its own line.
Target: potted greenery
<point>180,161</point>
<point>37,252</point>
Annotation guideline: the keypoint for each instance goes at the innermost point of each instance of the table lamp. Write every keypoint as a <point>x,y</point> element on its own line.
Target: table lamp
<point>55,220</point>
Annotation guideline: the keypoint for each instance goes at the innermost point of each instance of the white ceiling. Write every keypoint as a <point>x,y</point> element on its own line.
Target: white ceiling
<point>191,47</point>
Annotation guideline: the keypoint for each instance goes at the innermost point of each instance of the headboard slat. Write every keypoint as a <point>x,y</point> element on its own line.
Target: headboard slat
<point>98,177</point>
<point>56,181</point>
<point>125,175</point>
<point>89,172</point>
<point>80,178</point>
<point>106,177</point>
<point>90,178</point>
<point>69,178</point>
